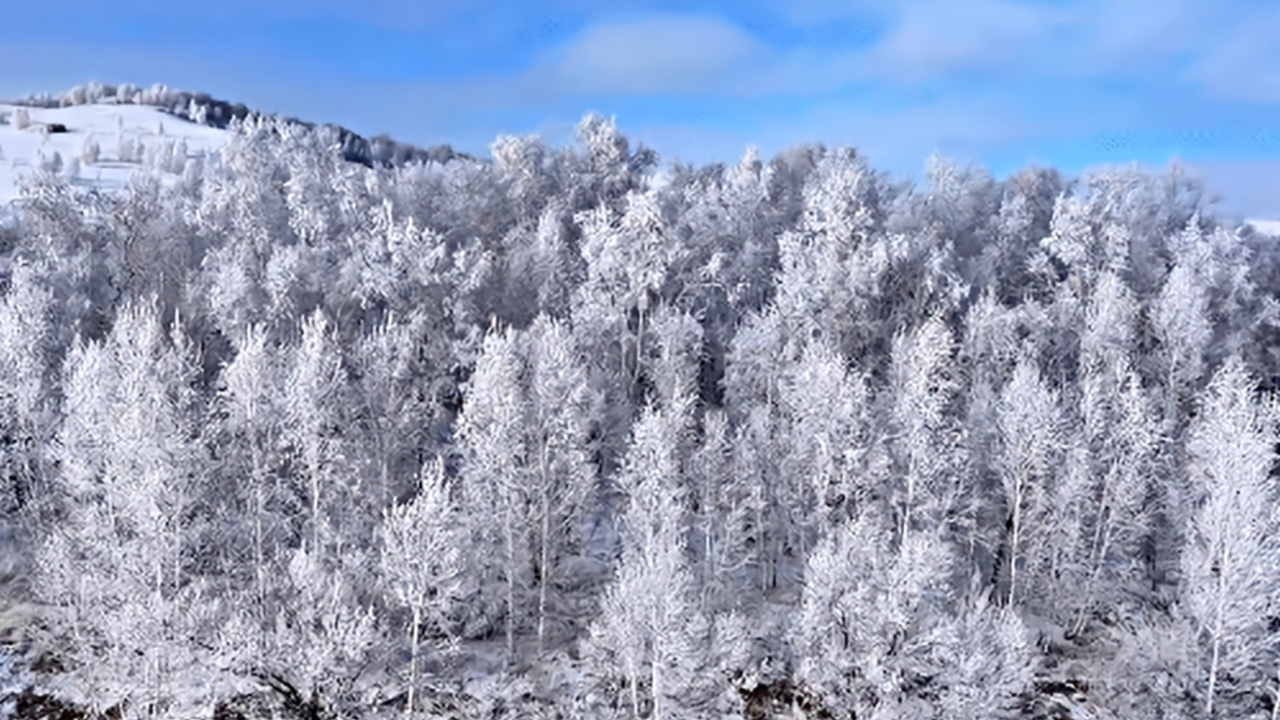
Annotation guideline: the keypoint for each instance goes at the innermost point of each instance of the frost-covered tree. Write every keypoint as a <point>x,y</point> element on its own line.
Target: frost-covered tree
<point>769,366</point>
<point>828,439</point>
<point>1023,219</point>
<point>765,342</point>
<point>608,167</point>
<point>555,263</point>
<point>324,642</point>
<point>831,264</point>
<point>1105,488</point>
<point>129,471</point>
<point>313,404</point>
<point>28,412</point>
<point>721,516</point>
<point>924,445</point>
<point>251,396</point>
<point>982,658</point>
<point>988,352</point>
<point>630,260</point>
<point>315,214</point>
<point>395,416</point>
<point>1182,324</point>
<point>496,483</point>
<point>1230,570</point>
<point>563,477</point>
<point>869,613</point>
<point>90,151</point>
<point>524,160</point>
<point>422,563</point>
<point>52,164</point>
<point>962,202</point>
<point>764,501</point>
<point>650,630</point>
<point>1029,426</point>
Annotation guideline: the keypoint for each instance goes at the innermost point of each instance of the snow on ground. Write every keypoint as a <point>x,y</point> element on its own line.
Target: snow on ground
<point>1270,227</point>
<point>21,150</point>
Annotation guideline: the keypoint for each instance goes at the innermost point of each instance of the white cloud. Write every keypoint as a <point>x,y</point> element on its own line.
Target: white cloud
<point>664,54</point>
<point>933,40</point>
<point>923,43</point>
<point>936,37</point>
<point>1245,66</point>
<point>1248,187</point>
<point>1121,35</point>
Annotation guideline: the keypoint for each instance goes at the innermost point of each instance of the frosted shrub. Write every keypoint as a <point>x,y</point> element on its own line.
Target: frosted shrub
<point>156,155</point>
<point>129,149</point>
<point>21,119</point>
<point>52,163</point>
<point>90,151</point>
<point>197,113</point>
<point>192,170</point>
<point>177,160</point>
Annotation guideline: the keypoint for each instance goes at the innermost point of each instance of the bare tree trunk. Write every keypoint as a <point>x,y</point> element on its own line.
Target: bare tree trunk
<point>544,569</point>
<point>257,527</point>
<point>511,580</point>
<point>635,691</point>
<point>906,508</point>
<point>1217,631</point>
<point>1013,547</point>
<point>315,509</point>
<point>655,665</point>
<point>761,552</point>
<point>413,662</point>
<point>1098,551</point>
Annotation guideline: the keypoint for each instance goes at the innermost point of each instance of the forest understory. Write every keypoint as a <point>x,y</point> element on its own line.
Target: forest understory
<point>296,437</point>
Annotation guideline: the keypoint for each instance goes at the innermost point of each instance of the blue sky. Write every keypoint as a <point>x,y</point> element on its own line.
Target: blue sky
<point>1004,83</point>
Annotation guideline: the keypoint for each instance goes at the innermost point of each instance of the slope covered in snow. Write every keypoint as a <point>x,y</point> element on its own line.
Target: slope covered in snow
<point>129,137</point>
<point>1270,227</point>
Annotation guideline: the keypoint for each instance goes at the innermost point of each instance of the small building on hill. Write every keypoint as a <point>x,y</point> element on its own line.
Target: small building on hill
<point>47,128</point>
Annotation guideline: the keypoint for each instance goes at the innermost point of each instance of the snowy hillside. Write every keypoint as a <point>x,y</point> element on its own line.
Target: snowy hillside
<point>1270,227</point>
<point>129,137</point>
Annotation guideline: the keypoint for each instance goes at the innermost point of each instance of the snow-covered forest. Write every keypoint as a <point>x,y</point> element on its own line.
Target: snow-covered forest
<point>297,437</point>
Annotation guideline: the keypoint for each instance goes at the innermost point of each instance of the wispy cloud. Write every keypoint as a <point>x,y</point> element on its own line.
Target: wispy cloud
<point>656,55</point>
<point>1247,187</point>
<point>1128,36</point>
<point>937,37</point>
<point>1246,65</point>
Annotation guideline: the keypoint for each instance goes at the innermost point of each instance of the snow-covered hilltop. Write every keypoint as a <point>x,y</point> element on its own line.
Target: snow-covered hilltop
<point>155,127</point>
<point>97,145</point>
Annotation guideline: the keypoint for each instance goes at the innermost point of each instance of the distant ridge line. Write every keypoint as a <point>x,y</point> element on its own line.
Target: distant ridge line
<point>203,109</point>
